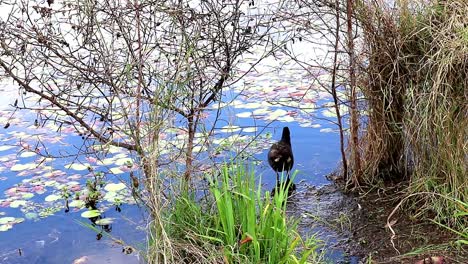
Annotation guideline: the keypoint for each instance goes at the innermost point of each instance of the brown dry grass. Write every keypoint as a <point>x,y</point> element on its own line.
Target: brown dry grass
<point>414,81</point>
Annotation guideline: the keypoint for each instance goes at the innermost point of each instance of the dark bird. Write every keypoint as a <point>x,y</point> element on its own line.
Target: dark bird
<point>281,156</point>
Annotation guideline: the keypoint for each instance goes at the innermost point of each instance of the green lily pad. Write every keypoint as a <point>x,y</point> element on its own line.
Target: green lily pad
<point>7,219</point>
<point>18,220</point>
<point>17,203</point>
<point>108,161</point>
<point>123,161</point>
<point>22,167</point>
<point>110,196</point>
<point>249,129</point>
<point>77,166</point>
<point>116,170</point>
<point>52,197</point>
<point>28,154</point>
<point>90,214</point>
<point>50,183</point>
<point>230,129</point>
<point>28,195</point>
<point>114,187</point>
<point>31,216</point>
<point>3,148</point>
<point>6,227</point>
<point>105,221</point>
<point>77,203</point>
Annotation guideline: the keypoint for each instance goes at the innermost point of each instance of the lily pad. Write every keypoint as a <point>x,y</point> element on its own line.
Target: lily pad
<point>261,111</point>
<point>116,170</point>
<point>52,197</point>
<point>123,161</point>
<point>91,214</point>
<point>105,221</point>
<point>244,114</point>
<point>31,216</point>
<point>5,227</point>
<point>286,119</point>
<point>77,166</point>
<point>77,203</point>
<point>249,129</point>
<point>21,167</point>
<point>7,219</point>
<point>17,203</point>
<point>108,161</point>
<point>28,154</point>
<point>3,148</point>
<point>276,114</point>
<point>18,220</point>
<point>114,187</point>
<point>230,129</point>
<point>27,195</point>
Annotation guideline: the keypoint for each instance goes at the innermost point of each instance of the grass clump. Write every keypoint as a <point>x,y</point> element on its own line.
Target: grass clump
<point>234,223</point>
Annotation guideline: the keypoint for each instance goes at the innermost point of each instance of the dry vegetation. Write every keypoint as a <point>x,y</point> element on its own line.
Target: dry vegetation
<point>414,80</point>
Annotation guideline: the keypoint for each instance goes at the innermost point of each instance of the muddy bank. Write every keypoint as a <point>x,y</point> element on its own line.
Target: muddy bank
<point>329,213</point>
<point>354,228</point>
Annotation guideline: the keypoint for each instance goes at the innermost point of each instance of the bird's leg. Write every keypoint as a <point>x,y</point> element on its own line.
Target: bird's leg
<point>277,178</point>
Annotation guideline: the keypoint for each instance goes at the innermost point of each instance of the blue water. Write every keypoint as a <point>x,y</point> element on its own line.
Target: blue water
<point>59,238</point>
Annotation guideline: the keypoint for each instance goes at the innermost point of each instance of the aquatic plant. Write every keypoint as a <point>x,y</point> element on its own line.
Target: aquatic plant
<point>237,224</point>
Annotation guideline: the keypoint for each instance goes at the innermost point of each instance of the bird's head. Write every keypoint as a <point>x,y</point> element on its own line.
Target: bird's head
<point>286,136</point>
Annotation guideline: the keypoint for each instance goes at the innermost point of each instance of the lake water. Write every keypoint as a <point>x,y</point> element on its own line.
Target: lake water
<point>34,227</point>
<point>53,236</point>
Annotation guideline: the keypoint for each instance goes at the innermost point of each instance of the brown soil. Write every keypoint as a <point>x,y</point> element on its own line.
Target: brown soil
<point>415,240</point>
<point>356,227</point>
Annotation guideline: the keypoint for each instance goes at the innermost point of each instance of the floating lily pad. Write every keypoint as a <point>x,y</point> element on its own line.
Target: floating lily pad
<point>52,197</point>
<point>31,216</point>
<point>77,203</point>
<point>116,170</point>
<point>251,105</point>
<point>198,149</point>
<point>21,167</point>
<point>110,196</point>
<point>28,154</point>
<point>18,220</point>
<point>114,149</point>
<point>7,219</point>
<point>326,130</point>
<point>27,195</point>
<point>244,114</point>
<point>276,114</point>
<point>261,111</point>
<point>123,161</point>
<point>5,227</point>
<point>77,166</point>
<point>249,129</point>
<point>286,119</point>
<point>17,203</point>
<point>3,148</point>
<point>50,183</point>
<point>91,214</point>
<point>105,221</point>
<point>108,161</point>
<point>114,187</point>
<point>230,129</point>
